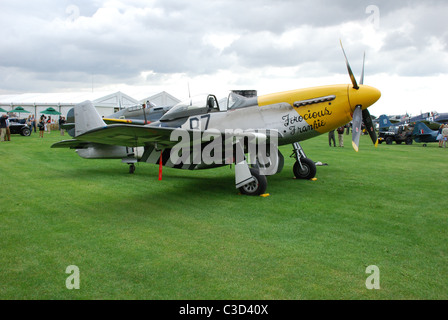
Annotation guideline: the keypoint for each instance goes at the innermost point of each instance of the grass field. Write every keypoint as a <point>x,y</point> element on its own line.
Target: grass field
<point>191,236</point>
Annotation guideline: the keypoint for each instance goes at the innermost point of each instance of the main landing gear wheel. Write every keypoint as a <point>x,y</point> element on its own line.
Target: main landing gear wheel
<point>257,187</point>
<point>131,168</point>
<point>307,171</point>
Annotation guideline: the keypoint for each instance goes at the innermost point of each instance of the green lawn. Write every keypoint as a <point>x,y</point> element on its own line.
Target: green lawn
<point>192,236</point>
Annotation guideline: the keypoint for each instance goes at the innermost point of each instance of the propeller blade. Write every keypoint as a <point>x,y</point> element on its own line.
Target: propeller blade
<point>356,133</point>
<point>369,126</point>
<point>350,72</point>
<point>362,72</point>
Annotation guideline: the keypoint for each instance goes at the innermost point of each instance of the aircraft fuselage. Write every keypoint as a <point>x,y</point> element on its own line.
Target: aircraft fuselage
<point>297,115</point>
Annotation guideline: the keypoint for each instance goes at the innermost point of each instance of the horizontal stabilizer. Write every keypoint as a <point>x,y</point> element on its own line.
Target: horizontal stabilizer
<point>68,126</point>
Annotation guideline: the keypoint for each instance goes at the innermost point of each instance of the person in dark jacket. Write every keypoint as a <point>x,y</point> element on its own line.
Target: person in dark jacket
<point>331,138</point>
<point>41,126</point>
<point>61,123</point>
<point>341,136</point>
<point>3,119</point>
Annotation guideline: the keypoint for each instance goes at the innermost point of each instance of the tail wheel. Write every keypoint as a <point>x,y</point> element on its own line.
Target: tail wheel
<point>307,171</point>
<point>256,187</point>
<point>131,168</point>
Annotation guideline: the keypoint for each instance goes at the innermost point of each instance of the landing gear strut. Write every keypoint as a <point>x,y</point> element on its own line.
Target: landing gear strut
<point>303,168</point>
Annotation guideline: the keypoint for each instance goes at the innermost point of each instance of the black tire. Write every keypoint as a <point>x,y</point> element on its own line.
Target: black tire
<point>256,187</point>
<point>408,141</point>
<point>26,132</point>
<point>308,171</point>
<point>132,168</point>
<point>389,140</point>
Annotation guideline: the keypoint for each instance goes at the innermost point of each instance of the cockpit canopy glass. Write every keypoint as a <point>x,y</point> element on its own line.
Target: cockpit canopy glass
<point>207,103</point>
<point>193,106</point>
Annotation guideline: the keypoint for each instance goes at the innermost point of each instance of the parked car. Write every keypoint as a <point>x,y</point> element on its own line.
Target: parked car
<point>399,134</point>
<point>19,126</point>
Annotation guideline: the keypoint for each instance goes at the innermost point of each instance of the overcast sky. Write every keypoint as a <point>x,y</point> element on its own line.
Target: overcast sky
<point>143,47</point>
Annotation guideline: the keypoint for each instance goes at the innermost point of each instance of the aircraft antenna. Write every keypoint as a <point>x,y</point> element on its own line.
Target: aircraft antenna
<point>189,93</point>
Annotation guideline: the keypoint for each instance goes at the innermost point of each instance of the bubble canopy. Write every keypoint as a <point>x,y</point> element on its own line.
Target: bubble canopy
<point>195,105</point>
<point>206,103</point>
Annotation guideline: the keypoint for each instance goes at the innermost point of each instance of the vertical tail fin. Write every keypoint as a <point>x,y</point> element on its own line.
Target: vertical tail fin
<point>87,118</point>
<point>384,122</point>
<point>421,128</point>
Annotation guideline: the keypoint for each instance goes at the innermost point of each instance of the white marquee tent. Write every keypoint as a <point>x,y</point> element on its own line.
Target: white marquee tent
<point>161,99</point>
<point>105,102</point>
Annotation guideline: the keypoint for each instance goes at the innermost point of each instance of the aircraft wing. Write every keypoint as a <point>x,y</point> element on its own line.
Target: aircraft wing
<point>72,144</point>
<point>136,135</point>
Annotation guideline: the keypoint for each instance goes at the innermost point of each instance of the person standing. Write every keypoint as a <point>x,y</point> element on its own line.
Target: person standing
<point>331,138</point>
<point>3,127</point>
<point>43,118</point>
<point>8,130</point>
<point>41,126</point>
<point>49,124</point>
<point>31,123</point>
<point>445,135</point>
<point>440,136</point>
<point>61,123</point>
<point>341,136</point>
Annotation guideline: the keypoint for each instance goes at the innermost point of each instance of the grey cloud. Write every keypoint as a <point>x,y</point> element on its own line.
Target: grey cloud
<point>39,38</point>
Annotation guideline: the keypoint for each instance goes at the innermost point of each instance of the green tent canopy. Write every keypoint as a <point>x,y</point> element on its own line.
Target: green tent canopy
<point>19,110</point>
<point>50,111</point>
<point>3,110</point>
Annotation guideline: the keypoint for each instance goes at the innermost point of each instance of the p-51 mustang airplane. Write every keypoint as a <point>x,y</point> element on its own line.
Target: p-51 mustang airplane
<point>224,129</point>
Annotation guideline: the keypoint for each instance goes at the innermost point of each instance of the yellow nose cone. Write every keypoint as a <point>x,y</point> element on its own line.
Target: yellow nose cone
<point>365,96</point>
